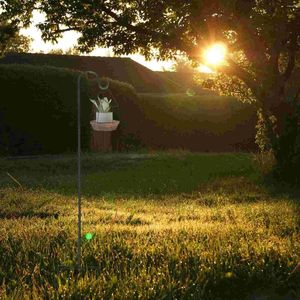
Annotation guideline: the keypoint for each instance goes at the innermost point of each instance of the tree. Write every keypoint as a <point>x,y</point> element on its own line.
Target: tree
<point>262,37</point>
<point>183,65</point>
<point>11,40</point>
<point>7,31</point>
<point>69,51</point>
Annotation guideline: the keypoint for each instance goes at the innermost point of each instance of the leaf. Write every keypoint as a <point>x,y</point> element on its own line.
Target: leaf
<point>95,103</point>
<point>104,104</point>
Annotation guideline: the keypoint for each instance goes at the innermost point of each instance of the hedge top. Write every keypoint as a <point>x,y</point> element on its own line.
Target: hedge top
<point>117,68</point>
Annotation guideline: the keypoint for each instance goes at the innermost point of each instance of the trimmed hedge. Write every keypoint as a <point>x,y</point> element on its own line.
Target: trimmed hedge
<point>117,68</point>
<point>197,123</point>
<point>38,110</point>
<point>38,115</point>
<point>127,109</point>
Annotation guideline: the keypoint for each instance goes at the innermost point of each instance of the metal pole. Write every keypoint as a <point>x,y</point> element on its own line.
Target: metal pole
<point>79,173</point>
<point>78,258</point>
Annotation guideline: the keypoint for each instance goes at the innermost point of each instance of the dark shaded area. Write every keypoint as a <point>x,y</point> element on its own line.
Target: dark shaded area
<point>28,214</point>
<point>47,120</point>
<point>186,81</point>
<point>203,124</point>
<point>39,113</point>
<point>130,175</point>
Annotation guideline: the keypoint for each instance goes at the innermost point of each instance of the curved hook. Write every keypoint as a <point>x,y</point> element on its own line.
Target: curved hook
<point>103,87</point>
<point>93,75</point>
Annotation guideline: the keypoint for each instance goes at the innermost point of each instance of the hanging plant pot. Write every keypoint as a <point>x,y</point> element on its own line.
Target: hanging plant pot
<point>107,126</point>
<point>104,117</point>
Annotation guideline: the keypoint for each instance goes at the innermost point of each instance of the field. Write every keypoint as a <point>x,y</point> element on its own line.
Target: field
<point>173,225</point>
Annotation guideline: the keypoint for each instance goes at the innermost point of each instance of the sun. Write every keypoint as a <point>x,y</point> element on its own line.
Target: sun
<point>215,55</point>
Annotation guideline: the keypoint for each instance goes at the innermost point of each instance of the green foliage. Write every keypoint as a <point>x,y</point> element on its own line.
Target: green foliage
<point>186,82</point>
<point>146,120</point>
<point>183,65</point>
<point>103,105</point>
<point>69,51</point>
<point>262,61</point>
<point>228,86</point>
<point>127,175</point>
<point>170,229</point>
<point>39,110</point>
<point>126,108</point>
<point>11,40</point>
<point>265,162</point>
<point>39,113</point>
<point>7,32</point>
<point>168,27</point>
<point>265,130</point>
<point>279,152</point>
<point>117,68</point>
<point>20,43</point>
<point>287,150</point>
<point>199,123</point>
<point>131,142</point>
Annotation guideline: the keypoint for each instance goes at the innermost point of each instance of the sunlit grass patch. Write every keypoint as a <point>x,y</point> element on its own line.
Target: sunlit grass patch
<point>217,233</point>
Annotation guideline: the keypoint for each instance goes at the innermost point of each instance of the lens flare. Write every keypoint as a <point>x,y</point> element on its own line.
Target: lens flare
<point>190,92</point>
<point>88,236</point>
<point>215,55</point>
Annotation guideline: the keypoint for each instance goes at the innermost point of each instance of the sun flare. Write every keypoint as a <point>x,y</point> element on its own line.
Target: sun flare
<point>215,55</point>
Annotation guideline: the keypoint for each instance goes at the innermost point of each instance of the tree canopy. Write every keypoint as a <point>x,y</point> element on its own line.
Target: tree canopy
<point>11,40</point>
<point>262,36</point>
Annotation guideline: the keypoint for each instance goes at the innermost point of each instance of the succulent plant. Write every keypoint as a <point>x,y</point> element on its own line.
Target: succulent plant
<point>103,105</point>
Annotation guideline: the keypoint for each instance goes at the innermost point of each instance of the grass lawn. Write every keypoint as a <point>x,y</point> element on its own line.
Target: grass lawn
<point>166,226</point>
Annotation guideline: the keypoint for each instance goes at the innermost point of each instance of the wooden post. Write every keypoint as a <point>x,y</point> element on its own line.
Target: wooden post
<point>101,141</point>
<point>102,135</point>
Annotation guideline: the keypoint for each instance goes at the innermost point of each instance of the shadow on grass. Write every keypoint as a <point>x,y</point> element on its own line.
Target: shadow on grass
<point>130,175</point>
<point>28,214</point>
<point>276,187</point>
<point>142,175</point>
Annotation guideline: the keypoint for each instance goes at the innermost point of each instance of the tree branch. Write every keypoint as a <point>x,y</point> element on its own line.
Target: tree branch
<point>234,69</point>
<point>253,47</point>
<point>76,28</point>
<point>292,58</point>
<point>291,65</point>
<point>291,44</point>
<point>129,26</point>
<point>117,21</point>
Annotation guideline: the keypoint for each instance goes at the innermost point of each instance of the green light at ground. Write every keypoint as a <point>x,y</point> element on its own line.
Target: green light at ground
<point>190,92</point>
<point>88,236</point>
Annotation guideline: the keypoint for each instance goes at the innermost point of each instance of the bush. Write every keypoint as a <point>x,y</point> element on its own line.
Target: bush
<point>198,123</point>
<point>38,110</point>
<point>38,114</point>
<point>287,151</point>
<point>265,161</point>
<point>279,155</point>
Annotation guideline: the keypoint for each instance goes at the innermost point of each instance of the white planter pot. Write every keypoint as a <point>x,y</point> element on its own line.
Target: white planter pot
<point>104,117</point>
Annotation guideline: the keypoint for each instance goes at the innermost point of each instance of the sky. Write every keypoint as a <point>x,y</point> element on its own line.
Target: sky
<point>69,41</point>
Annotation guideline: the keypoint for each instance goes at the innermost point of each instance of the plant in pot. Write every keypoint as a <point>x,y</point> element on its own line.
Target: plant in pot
<point>104,113</point>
